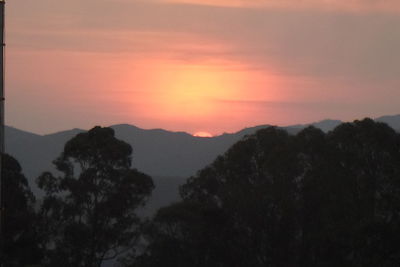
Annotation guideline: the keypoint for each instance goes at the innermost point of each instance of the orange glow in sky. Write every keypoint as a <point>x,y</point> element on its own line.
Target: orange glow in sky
<point>207,97</point>
<point>201,66</point>
<point>202,134</point>
<point>192,91</point>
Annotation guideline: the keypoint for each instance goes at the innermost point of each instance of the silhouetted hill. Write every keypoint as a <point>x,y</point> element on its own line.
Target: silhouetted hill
<point>163,153</point>
<point>64,135</point>
<point>393,121</point>
<point>159,153</point>
<point>31,150</point>
<point>35,152</point>
<point>325,125</point>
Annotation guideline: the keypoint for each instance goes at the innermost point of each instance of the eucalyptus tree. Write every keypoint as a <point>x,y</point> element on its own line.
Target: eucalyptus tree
<point>274,199</point>
<point>89,210</point>
<point>21,240</point>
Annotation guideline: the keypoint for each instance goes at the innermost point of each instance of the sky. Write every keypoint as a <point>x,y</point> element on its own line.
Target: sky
<point>209,66</point>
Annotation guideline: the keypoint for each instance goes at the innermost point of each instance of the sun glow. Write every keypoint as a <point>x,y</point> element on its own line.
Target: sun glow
<point>216,96</point>
<point>194,91</point>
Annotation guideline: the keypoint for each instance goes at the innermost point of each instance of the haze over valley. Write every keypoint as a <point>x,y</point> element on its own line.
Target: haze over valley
<point>169,157</point>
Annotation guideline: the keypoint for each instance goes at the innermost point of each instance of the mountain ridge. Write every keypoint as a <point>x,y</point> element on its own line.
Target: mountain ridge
<point>157,152</point>
<point>325,125</point>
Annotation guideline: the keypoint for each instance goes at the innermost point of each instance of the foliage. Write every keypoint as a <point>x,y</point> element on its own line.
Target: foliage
<point>89,210</point>
<point>311,199</point>
<point>21,240</point>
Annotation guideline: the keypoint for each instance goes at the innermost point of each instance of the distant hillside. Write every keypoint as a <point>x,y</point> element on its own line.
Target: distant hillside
<point>325,125</point>
<point>35,152</point>
<point>163,153</point>
<point>393,121</point>
<point>157,152</point>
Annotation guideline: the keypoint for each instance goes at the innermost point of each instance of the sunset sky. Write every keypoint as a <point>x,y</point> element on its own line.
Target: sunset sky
<point>208,66</point>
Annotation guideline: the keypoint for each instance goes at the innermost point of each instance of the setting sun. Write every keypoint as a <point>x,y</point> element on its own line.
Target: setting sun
<point>202,134</point>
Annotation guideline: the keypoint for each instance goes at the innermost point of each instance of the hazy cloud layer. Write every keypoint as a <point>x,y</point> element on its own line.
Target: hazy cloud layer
<point>328,50</point>
<point>329,5</point>
<point>307,42</point>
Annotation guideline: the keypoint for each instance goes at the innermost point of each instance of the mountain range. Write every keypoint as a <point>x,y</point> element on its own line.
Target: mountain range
<point>169,157</point>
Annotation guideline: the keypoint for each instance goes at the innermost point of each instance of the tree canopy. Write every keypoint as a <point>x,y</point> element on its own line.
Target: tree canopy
<point>21,240</point>
<point>89,211</point>
<point>274,199</point>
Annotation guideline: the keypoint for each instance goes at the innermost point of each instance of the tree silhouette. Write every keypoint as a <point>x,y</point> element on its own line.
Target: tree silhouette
<point>368,154</point>
<point>20,237</point>
<point>274,199</point>
<point>89,210</point>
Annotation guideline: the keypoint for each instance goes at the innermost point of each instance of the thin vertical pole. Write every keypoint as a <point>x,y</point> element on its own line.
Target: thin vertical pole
<point>2,98</point>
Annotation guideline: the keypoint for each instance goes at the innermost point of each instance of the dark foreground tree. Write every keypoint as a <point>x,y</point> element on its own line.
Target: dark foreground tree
<point>186,234</point>
<point>21,242</point>
<point>239,211</point>
<point>273,199</point>
<point>89,210</point>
